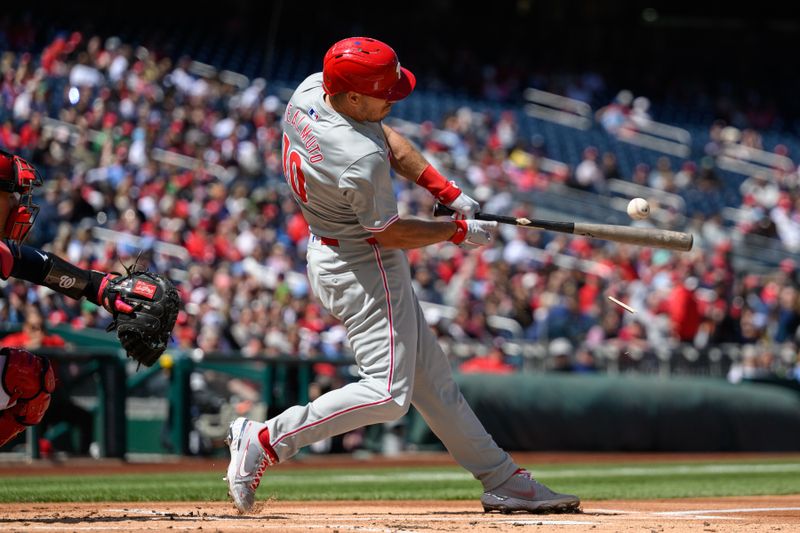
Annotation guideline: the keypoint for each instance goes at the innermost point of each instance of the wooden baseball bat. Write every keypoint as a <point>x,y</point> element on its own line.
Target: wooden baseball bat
<point>658,238</point>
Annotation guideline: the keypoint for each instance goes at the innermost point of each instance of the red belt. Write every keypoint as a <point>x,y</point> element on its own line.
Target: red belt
<point>328,241</point>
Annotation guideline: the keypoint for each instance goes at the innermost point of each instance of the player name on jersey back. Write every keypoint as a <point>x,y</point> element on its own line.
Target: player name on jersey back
<point>301,122</point>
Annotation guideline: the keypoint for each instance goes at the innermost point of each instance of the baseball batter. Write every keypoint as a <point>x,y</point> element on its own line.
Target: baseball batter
<point>337,158</point>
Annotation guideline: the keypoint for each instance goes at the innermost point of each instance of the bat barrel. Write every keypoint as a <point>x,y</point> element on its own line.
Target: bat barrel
<point>659,238</point>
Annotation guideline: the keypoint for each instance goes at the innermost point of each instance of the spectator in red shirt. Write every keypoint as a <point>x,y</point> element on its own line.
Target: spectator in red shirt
<point>297,228</point>
<point>684,310</point>
<point>492,363</point>
<point>33,334</point>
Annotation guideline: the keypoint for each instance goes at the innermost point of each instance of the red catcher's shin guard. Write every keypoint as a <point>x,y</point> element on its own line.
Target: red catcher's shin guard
<point>25,413</point>
<point>28,379</point>
<point>9,427</point>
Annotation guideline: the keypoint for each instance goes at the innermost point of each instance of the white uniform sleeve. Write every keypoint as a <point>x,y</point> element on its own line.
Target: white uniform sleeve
<point>367,187</point>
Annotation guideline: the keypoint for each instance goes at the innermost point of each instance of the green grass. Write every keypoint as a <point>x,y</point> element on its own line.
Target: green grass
<point>590,481</point>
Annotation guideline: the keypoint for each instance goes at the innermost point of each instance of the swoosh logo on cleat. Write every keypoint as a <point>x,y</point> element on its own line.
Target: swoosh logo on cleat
<point>242,471</point>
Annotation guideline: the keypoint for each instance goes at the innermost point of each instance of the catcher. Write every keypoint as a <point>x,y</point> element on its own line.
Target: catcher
<point>144,305</point>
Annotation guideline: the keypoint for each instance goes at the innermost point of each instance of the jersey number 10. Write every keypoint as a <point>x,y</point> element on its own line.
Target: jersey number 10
<point>291,170</point>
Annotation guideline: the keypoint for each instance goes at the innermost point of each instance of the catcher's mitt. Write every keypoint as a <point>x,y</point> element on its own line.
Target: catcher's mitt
<point>145,306</point>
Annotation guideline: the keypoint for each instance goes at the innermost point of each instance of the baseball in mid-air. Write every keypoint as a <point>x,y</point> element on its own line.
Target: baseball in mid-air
<point>638,209</point>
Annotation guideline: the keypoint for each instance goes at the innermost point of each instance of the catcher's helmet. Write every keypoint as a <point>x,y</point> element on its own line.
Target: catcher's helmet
<point>366,66</point>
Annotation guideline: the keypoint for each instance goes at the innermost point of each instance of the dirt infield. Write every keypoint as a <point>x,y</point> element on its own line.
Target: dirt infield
<point>708,515</point>
<point>717,515</point>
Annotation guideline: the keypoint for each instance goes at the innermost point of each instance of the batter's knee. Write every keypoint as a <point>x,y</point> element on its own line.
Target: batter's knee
<point>394,409</point>
<point>386,409</point>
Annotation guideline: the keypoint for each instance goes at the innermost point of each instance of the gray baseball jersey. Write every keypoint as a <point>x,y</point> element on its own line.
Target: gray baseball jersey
<point>338,168</point>
<point>339,172</point>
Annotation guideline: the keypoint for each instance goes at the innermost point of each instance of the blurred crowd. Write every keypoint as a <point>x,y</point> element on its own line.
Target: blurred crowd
<point>143,146</point>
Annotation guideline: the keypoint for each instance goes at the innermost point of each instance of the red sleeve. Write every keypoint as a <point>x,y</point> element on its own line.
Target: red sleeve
<point>53,341</point>
<point>13,340</point>
<point>6,260</point>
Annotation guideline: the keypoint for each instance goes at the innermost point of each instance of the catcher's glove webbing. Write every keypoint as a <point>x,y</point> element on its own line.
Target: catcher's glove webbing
<point>145,307</point>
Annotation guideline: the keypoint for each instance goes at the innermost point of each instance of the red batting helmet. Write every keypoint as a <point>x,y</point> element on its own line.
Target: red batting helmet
<point>19,176</point>
<point>366,66</point>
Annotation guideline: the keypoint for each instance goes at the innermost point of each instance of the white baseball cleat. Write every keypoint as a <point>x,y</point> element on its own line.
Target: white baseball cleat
<point>249,459</point>
<point>522,493</point>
